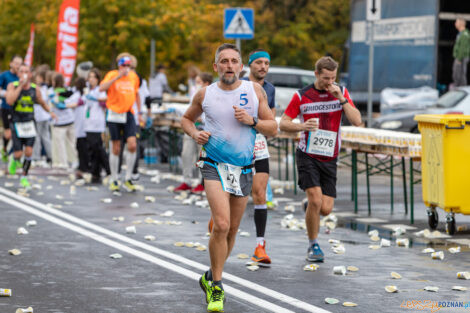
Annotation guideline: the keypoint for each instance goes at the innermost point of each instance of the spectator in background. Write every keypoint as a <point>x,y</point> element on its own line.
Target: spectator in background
<point>42,118</point>
<point>461,54</point>
<point>190,151</point>
<point>193,72</point>
<point>159,85</point>
<point>63,131</point>
<point>76,100</point>
<point>6,78</point>
<point>95,125</point>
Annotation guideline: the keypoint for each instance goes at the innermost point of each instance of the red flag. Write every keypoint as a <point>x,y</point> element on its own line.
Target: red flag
<point>28,59</point>
<point>67,39</point>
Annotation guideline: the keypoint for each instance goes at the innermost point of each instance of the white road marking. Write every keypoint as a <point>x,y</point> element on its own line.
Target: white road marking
<point>245,283</point>
<point>147,257</point>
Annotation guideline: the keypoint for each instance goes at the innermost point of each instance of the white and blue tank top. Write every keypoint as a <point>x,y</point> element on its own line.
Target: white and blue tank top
<point>231,141</point>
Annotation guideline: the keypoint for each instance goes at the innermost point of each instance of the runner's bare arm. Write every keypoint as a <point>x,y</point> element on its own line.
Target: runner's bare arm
<point>139,108</point>
<point>287,125</point>
<point>104,86</point>
<point>353,114</point>
<point>266,123</point>
<point>137,101</point>
<point>12,93</point>
<point>190,117</point>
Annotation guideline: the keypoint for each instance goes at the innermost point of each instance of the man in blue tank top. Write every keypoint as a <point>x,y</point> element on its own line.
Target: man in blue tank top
<point>6,78</point>
<point>234,111</point>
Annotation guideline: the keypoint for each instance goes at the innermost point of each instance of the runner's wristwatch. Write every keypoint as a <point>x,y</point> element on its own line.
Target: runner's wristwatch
<point>255,122</point>
<point>344,102</point>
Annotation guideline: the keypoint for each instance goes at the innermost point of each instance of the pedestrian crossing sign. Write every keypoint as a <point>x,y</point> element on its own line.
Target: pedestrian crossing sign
<point>239,23</point>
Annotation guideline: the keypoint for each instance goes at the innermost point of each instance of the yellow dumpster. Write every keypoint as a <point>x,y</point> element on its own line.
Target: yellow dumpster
<point>445,162</point>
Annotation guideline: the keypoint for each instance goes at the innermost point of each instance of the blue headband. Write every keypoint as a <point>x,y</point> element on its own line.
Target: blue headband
<point>259,54</point>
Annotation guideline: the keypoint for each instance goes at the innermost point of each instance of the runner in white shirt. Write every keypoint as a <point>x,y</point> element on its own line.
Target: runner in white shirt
<point>234,111</point>
<point>63,131</point>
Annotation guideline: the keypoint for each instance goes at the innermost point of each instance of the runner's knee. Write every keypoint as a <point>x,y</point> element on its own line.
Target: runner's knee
<point>259,195</point>
<point>28,151</point>
<point>315,205</point>
<point>221,227</point>
<point>131,145</point>
<point>326,210</point>
<point>314,199</point>
<point>116,147</point>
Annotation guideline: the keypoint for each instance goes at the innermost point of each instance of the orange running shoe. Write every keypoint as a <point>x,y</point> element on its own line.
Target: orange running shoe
<point>210,225</point>
<point>260,255</point>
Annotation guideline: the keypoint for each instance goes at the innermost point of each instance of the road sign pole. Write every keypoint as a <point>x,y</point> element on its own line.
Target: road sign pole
<point>152,57</point>
<point>371,74</point>
<point>238,42</point>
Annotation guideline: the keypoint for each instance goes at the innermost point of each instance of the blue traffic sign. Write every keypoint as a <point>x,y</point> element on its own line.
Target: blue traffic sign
<point>239,23</point>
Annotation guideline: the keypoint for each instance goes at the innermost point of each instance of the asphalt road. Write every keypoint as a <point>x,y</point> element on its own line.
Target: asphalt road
<point>65,264</point>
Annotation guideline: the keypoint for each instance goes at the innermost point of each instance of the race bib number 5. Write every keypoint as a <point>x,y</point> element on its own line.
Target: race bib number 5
<point>261,147</point>
<point>322,142</point>
<point>230,178</point>
<point>114,117</point>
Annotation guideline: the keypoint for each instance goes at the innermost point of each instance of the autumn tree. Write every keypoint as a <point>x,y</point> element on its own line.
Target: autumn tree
<point>295,32</point>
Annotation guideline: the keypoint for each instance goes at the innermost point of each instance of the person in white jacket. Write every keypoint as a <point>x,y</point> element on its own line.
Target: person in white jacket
<point>79,124</point>
<point>43,121</point>
<point>63,131</point>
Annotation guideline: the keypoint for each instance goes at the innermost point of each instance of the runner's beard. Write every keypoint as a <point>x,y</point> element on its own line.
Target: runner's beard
<point>258,76</point>
<point>228,81</point>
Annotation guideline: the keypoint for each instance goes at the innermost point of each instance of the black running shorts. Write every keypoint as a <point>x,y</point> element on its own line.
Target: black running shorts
<point>315,173</point>
<point>19,143</point>
<point>118,131</point>
<point>262,166</point>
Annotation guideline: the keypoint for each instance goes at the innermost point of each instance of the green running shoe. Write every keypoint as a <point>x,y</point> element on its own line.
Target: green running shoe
<point>114,186</point>
<point>129,186</point>
<point>12,166</point>
<point>270,205</point>
<point>4,156</point>
<point>205,286</point>
<point>25,183</point>
<point>216,302</point>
